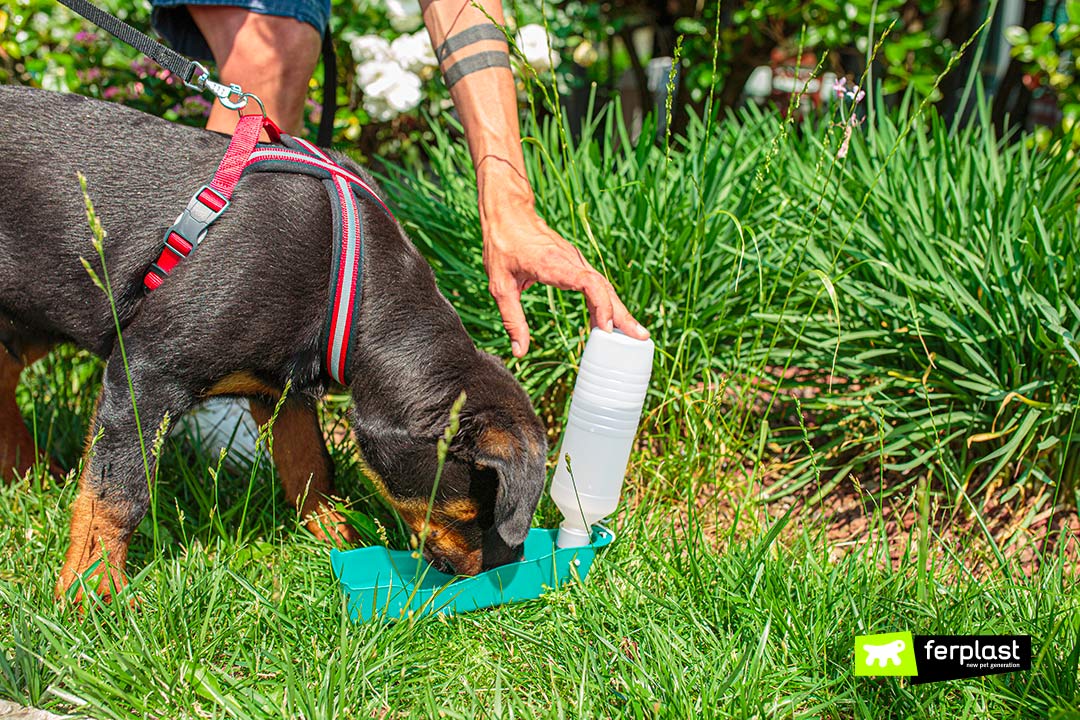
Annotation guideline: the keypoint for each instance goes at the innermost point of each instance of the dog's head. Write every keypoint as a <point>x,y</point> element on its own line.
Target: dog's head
<point>490,482</point>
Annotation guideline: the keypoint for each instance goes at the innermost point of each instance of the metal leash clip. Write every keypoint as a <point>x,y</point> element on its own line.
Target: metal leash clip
<point>224,93</point>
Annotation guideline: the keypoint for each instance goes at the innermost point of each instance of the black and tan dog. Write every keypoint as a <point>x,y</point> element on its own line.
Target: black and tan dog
<point>242,316</point>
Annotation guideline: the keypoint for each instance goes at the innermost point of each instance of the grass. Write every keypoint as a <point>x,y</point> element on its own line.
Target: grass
<point>919,293</point>
<point>237,614</point>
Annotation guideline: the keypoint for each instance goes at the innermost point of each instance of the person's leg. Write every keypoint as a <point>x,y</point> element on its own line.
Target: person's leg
<point>270,56</point>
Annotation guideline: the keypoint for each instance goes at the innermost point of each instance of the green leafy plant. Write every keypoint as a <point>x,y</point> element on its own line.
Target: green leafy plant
<point>919,294</point>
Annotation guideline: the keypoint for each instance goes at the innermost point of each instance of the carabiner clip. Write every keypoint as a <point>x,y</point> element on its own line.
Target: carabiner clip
<point>224,93</point>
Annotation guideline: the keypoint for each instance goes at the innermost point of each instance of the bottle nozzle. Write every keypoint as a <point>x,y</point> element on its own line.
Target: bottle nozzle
<point>572,536</point>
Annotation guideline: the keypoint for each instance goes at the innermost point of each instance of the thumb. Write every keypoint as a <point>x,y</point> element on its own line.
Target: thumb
<point>513,317</point>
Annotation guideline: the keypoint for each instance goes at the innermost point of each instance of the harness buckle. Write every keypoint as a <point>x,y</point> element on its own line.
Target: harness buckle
<point>184,235</point>
<point>205,206</point>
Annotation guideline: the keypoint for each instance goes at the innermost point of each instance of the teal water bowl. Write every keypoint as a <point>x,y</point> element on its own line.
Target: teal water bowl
<point>394,584</point>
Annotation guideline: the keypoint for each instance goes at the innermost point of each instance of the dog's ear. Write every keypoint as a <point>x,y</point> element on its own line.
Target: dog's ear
<point>517,457</point>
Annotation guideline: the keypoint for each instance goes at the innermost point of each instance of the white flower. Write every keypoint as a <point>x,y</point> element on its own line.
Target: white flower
<point>367,48</point>
<point>404,15</point>
<point>389,89</point>
<point>536,45</point>
<point>585,54</point>
<point>413,52</point>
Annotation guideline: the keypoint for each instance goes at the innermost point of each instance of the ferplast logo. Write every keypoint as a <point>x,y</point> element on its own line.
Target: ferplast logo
<point>886,654</point>
<point>933,658</point>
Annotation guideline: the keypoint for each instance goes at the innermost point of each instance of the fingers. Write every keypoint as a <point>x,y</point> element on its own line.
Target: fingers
<point>607,310</point>
<point>516,258</point>
<point>625,321</point>
<point>508,298</point>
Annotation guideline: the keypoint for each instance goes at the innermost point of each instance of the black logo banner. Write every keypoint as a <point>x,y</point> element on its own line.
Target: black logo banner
<point>951,657</point>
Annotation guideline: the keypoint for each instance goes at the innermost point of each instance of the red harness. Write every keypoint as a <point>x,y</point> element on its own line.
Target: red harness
<point>297,156</point>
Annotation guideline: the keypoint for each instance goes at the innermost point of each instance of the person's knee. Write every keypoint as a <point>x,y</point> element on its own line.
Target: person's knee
<point>268,55</point>
<point>247,40</point>
<point>289,46</point>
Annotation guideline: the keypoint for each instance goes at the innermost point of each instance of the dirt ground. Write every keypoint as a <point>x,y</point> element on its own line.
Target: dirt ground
<point>1025,528</point>
<point>11,711</point>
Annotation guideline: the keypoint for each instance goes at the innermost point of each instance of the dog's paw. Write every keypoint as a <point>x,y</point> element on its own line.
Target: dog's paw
<point>332,528</point>
<point>104,580</point>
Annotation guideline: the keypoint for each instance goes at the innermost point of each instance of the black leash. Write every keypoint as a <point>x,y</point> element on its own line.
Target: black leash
<point>197,77</point>
<point>194,75</point>
<point>170,60</point>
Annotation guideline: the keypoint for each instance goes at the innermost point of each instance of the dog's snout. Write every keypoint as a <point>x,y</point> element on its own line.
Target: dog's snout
<point>441,564</point>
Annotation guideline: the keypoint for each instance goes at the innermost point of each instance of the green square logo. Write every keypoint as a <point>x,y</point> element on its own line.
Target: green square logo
<point>886,654</point>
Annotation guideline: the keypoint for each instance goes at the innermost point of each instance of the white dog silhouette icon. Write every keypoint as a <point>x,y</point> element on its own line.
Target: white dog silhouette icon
<point>884,654</point>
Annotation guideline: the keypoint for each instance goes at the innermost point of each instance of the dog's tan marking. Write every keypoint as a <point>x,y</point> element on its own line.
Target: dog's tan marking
<point>305,468</point>
<point>407,507</point>
<point>17,450</point>
<point>498,443</point>
<point>242,384</point>
<point>466,557</point>
<point>446,517</point>
<point>97,533</point>
<point>459,509</point>
<point>445,537</point>
<point>402,505</point>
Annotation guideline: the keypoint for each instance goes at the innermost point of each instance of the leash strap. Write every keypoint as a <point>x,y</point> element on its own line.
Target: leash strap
<point>207,204</point>
<point>194,75</point>
<point>170,60</point>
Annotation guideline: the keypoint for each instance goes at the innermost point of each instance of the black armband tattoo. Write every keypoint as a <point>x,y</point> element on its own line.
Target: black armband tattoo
<point>474,63</point>
<point>469,36</point>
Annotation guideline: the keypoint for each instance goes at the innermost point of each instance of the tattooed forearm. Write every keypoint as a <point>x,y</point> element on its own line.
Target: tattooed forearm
<point>469,36</point>
<point>475,62</point>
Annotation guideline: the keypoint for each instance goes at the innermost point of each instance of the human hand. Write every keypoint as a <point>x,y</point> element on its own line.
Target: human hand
<point>519,250</point>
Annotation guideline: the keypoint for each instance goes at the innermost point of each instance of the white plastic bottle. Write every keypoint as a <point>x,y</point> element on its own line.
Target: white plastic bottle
<point>604,413</point>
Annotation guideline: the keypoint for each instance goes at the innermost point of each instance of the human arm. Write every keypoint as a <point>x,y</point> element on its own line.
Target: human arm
<point>519,248</point>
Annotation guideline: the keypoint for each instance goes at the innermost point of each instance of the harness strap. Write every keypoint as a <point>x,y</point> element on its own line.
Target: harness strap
<point>298,156</point>
<point>347,257</point>
<point>207,204</point>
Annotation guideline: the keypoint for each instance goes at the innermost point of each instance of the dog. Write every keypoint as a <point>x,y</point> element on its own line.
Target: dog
<point>242,317</point>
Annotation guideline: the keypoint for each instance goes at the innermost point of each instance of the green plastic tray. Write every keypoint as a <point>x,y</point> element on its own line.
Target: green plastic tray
<point>394,584</point>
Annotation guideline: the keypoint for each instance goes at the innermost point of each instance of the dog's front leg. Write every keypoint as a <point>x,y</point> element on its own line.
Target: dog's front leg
<point>305,467</point>
<point>114,492</point>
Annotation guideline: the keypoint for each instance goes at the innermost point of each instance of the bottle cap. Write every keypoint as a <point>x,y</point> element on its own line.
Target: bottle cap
<point>619,356</point>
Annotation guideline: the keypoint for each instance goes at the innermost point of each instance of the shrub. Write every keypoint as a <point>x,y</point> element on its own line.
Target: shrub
<point>45,45</point>
<point>917,296</point>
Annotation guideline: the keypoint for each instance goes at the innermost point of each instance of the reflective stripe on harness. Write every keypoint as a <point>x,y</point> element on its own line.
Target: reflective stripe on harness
<point>298,156</point>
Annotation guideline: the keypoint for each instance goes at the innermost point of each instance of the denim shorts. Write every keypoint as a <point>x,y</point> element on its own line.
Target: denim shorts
<point>172,19</point>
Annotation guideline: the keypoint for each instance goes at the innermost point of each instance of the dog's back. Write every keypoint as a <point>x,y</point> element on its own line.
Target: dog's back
<point>140,172</point>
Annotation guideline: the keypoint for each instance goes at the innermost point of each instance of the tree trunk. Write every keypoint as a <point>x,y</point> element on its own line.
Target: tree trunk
<point>961,25</point>
<point>1012,99</point>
